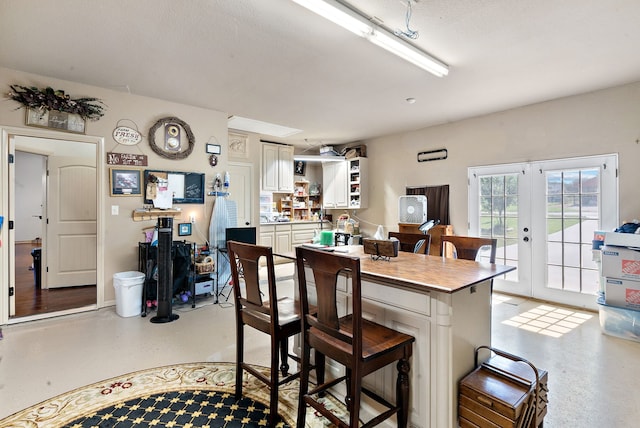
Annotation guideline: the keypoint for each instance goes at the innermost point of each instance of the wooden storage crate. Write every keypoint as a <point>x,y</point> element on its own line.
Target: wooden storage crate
<point>503,392</point>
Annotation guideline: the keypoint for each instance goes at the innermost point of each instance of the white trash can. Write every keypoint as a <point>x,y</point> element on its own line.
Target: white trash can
<point>128,287</point>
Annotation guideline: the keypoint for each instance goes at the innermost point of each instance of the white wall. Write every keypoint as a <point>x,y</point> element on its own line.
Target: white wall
<point>122,233</point>
<point>606,121</point>
<point>29,172</point>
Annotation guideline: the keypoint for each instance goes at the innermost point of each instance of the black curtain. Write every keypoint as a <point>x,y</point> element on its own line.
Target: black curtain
<point>437,201</point>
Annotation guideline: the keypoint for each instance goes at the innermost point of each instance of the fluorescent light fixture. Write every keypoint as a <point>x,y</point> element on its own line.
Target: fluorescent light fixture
<point>338,14</point>
<point>360,25</point>
<point>408,52</point>
<point>258,127</point>
<point>318,158</point>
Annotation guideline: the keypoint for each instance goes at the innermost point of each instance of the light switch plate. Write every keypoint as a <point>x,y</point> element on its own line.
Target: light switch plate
<point>115,209</point>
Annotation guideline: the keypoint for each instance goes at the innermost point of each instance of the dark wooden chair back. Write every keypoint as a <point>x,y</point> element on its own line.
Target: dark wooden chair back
<point>467,247</point>
<point>247,257</point>
<point>326,269</point>
<point>409,241</point>
<point>278,317</point>
<point>360,345</point>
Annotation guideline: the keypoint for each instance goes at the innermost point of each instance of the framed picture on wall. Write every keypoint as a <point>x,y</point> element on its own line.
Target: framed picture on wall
<point>300,167</point>
<point>184,229</point>
<point>238,145</point>
<point>125,182</point>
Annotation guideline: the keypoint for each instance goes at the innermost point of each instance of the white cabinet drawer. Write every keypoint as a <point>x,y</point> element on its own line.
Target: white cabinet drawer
<point>415,302</point>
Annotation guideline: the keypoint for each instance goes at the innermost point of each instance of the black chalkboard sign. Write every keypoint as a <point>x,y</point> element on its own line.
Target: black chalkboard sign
<point>187,187</point>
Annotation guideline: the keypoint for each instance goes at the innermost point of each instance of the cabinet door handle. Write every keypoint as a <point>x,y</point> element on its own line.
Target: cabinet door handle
<point>484,400</point>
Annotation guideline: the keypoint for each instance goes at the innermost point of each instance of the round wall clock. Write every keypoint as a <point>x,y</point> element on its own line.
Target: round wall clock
<point>172,147</point>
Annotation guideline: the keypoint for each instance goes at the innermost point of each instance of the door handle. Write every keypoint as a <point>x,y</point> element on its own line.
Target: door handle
<point>39,216</point>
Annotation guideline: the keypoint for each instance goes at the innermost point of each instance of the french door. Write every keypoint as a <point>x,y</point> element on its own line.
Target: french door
<point>543,215</point>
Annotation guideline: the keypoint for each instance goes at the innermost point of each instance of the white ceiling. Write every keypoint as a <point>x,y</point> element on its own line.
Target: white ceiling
<point>274,61</point>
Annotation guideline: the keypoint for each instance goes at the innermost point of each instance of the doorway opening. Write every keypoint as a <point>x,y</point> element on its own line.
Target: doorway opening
<point>50,199</point>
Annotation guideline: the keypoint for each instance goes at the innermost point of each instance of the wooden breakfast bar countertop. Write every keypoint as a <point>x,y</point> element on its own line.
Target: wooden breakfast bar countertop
<point>421,272</point>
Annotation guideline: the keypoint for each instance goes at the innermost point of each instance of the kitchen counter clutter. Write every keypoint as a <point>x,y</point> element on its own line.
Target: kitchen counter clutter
<point>284,236</point>
<point>445,304</point>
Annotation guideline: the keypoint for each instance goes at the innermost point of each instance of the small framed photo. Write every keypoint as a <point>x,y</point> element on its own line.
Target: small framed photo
<point>125,182</point>
<point>213,149</point>
<point>184,229</point>
<point>300,166</point>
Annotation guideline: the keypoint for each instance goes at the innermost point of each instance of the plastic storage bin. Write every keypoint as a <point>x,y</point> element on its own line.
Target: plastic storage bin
<point>128,287</point>
<point>619,322</point>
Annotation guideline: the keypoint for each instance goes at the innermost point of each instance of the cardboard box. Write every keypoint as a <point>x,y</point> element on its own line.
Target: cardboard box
<point>622,239</point>
<point>622,293</point>
<point>620,262</point>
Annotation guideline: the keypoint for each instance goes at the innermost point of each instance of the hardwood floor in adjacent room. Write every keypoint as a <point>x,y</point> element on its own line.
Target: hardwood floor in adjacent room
<point>31,300</point>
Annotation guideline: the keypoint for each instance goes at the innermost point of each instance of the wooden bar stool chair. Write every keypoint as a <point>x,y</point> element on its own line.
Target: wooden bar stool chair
<point>277,317</point>
<point>360,345</point>
<point>467,247</point>
<point>412,242</point>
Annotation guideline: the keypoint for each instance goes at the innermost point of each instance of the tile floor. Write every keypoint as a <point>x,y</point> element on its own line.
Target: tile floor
<point>594,379</point>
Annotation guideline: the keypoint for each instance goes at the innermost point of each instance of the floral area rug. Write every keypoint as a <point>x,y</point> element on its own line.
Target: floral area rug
<point>186,395</point>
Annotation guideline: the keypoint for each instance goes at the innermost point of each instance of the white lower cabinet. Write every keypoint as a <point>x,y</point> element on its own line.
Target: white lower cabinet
<point>303,232</point>
<point>267,235</point>
<point>278,237</point>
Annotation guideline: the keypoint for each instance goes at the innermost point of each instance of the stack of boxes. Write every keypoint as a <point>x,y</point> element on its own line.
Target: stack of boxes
<point>620,302</point>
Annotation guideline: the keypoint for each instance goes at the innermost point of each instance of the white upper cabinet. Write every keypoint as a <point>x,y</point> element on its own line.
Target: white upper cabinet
<point>277,168</point>
<point>335,183</point>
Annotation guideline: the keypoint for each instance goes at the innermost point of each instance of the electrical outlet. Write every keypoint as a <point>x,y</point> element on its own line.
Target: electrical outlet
<point>193,218</point>
<point>115,209</point>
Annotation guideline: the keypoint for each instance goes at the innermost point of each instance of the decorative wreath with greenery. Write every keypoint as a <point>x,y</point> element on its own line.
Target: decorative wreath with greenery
<point>50,99</point>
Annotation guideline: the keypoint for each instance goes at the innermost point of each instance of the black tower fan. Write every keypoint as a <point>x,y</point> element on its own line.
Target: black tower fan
<point>165,271</point>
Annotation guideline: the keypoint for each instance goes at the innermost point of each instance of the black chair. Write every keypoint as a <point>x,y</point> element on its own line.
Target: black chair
<point>362,346</point>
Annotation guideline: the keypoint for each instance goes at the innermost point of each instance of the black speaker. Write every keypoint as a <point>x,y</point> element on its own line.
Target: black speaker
<point>165,271</point>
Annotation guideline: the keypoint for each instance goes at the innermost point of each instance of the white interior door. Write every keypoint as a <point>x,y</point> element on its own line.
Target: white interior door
<point>71,246</point>
<point>544,215</point>
<point>241,190</point>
